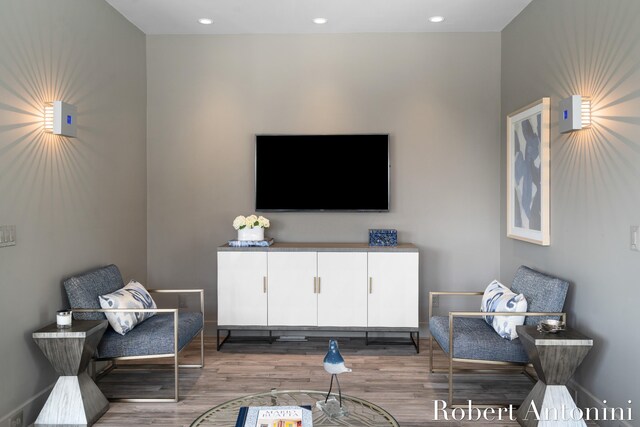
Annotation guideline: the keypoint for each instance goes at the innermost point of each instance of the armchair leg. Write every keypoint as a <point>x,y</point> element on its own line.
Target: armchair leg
<point>176,378</point>
<point>450,380</point>
<point>430,354</point>
<point>176,372</point>
<point>202,348</point>
<point>201,364</point>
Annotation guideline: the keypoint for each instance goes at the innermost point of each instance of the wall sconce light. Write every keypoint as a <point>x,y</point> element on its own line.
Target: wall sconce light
<point>60,119</point>
<point>575,113</point>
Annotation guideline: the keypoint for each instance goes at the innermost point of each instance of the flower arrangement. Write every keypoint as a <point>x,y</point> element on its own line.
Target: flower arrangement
<point>251,221</point>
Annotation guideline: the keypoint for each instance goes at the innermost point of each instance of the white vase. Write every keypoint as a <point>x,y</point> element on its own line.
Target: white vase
<point>256,233</point>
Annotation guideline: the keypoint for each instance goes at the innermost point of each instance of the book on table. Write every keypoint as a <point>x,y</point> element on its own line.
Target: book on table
<point>275,416</point>
<point>250,243</point>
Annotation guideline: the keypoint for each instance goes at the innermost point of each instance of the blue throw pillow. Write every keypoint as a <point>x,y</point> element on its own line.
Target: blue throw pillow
<point>134,295</point>
<point>499,298</point>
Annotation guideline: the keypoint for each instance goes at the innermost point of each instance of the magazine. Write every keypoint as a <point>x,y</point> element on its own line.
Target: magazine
<point>275,416</point>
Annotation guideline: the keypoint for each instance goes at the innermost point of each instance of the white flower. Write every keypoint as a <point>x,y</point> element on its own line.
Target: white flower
<point>251,221</point>
<point>239,222</point>
<point>263,222</point>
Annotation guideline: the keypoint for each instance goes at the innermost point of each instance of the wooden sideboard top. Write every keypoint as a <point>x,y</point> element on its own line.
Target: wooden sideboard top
<point>322,247</point>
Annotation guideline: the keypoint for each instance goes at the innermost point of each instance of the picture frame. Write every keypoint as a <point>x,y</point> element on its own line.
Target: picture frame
<point>528,173</point>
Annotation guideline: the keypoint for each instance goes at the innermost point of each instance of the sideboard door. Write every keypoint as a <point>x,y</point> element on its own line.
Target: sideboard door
<point>393,290</point>
<point>342,294</point>
<point>242,288</point>
<point>293,299</point>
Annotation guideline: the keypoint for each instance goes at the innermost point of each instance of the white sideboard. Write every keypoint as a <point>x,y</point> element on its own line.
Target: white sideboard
<point>318,286</point>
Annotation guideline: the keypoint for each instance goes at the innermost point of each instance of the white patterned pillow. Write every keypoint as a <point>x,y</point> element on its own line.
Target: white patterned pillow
<point>134,295</point>
<point>499,298</point>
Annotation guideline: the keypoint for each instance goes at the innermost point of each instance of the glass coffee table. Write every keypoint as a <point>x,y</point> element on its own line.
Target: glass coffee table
<point>361,412</point>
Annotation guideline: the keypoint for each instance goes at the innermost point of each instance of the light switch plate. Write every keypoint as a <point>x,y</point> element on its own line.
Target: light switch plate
<point>635,238</point>
<point>7,235</point>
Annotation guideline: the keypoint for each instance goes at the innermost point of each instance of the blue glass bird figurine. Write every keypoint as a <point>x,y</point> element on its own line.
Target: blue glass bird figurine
<point>334,365</point>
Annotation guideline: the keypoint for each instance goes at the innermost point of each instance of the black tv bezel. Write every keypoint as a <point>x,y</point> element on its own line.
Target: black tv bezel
<point>255,174</point>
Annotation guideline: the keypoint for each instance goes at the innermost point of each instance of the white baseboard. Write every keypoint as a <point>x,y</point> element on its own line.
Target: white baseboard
<point>30,408</point>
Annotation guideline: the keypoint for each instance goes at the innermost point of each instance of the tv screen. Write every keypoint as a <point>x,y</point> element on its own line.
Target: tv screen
<point>322,173</point>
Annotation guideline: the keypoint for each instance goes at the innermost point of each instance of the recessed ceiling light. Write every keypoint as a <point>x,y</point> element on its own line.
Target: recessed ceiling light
<point>205,21</point>
<point>436,19</point>
<point>320,21</point>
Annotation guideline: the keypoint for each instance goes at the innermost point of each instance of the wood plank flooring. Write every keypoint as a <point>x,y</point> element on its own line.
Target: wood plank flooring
<point>392,376</point>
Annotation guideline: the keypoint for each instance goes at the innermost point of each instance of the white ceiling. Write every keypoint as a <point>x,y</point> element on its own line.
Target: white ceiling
<point>294,16</point>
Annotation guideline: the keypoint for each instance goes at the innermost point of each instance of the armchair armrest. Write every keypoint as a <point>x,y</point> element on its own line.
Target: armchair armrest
<point>501,313</point>
<point>175,291</point>
<point>468,293</point>
<point>182,291</point>
<point>455,293</point>
<point>124,310</point>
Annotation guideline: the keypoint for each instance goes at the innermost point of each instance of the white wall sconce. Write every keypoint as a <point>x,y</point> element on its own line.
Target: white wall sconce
<point>575,113</point>
<point>60,119</point>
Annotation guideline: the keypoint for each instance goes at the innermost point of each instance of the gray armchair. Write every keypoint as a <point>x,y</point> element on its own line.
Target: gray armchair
<point>161,336</point>
<point>465,336</point>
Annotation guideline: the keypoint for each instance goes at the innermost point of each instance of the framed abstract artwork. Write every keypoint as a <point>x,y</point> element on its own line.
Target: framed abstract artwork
<point>528,173</point>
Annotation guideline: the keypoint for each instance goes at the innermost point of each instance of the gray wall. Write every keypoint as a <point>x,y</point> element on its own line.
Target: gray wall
<point>438,95</point>
<point>77,203</point>
<point>557,48</point>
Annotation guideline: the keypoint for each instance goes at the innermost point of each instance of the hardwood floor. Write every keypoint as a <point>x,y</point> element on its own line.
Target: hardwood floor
<point>392,376</point>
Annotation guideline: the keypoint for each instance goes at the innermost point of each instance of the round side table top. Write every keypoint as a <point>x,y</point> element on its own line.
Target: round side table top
<point>361,412</point>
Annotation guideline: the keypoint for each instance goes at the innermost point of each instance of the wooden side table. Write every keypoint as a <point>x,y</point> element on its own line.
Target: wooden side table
<point>555,358</point>
<point>75,399</point>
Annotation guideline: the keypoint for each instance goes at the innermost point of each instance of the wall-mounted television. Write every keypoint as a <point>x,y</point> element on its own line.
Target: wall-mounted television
<point>322,173</point>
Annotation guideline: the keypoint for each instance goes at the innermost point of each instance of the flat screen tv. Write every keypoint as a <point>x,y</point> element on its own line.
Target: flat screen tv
<point>322,173</point>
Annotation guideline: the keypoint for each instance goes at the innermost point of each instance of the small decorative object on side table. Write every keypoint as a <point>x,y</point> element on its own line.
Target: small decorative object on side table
<point>75,399</point>
<point>63,319</point>
<point>251,227</point>
<point>555,357</point>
